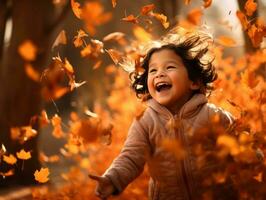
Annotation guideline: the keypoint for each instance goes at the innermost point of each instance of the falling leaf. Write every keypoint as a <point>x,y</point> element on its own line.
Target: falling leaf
<point>78,39</point>
<point>43,119</point>
<point>50,159</point>
<point>250,7</point>
<point>243,20</point>
<point>74,85</point>
<point>22,134</point>
<point>56,122</point>
<point>32,73</point>
<point>114,36</point>
<point>259,177</point>
<point>68,67</point>
<point>11,159</point>
<point>23,155</point>
<point>115,55</point>
<point>226,41</point>
<point>97,65</point>
<point>207,3</point>
<point>194,16</point>
<point>2,150</point>
<point>141,34</point>
<point>162,18</point>
<point>249,79</point>
<point>76,9</point>
<point>228,142</point>
<point>8,173</point>
<point>86,51</point>
<point>42,175</point>
<point>60,39</point>
<point>114,3</point>
<point>131,18</point>
<point>27,50</point>
<point>256,33</point>
<point>146,9</point>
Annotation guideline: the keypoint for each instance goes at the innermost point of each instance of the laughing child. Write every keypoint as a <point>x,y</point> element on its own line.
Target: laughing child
<point>175,84</point>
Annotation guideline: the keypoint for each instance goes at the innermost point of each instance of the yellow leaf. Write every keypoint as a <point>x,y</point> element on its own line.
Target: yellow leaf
<point>27,50</point>
<point>42,175</point>
<point>10,159</point>
<point>23,155</point>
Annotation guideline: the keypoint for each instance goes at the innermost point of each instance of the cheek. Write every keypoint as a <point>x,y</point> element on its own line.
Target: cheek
<point>150,83</point>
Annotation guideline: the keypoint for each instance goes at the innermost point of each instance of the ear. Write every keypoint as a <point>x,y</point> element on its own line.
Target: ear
<point>195,85</point>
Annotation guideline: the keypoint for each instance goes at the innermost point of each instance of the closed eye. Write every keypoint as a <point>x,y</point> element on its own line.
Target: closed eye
<point>171,67</point>
<point>152,70</point>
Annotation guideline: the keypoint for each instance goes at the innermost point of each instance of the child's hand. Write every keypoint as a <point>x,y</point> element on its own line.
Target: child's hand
<point>104,188</point>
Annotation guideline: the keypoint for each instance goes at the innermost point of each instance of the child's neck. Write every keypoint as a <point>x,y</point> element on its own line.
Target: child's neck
<point>176,107</point>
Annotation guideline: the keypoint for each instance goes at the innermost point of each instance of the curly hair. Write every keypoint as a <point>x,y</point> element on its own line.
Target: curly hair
<point>191,50</point>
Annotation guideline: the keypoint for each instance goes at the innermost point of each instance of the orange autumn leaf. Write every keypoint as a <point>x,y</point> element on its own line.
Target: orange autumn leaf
<point>194,16</point>
<point>60,39</point>
<point>226,41</point>
<point>10,159</point>
<point>146,9</point>
<point>43,119</point>
<point>256,33</point>
<point>68,67</point>
<point>59,92</point>
<point>131,18</point>
<point>78,39</point>
<point>243,19</point>
<point>49,159</point>
<point>2,150</point>
<point>250,7</point>
<point>32,73</point>
<point>228,142</point>
<point>162,18</point>
<point>115,55</point>
<point>8,173</point>
<point>56,122</point>
<point>249,79</point>
<point>23,133</point>
<point>23,155</point>
<point>87,51</point>
<point>114,3</point>
<point>114,36</point>
<point>207,3</point>
<point>76,9</point>
<point>141,34</point>
<point>97,65</point>
<point>42,175</point>
<point>27,50</point>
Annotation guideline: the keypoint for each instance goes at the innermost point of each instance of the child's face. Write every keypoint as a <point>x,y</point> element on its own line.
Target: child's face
<point>168,81</point>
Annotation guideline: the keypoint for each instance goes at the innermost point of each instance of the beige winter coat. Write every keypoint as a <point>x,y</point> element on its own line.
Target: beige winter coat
<point>171,179</point>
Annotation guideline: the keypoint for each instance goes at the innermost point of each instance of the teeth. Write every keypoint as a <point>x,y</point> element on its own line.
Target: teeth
<point>161,86</point>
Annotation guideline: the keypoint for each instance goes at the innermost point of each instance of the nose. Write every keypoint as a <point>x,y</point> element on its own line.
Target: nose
<point>160,74</point>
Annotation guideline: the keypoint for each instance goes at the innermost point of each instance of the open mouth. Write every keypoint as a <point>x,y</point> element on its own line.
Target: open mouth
<point>162,86</point>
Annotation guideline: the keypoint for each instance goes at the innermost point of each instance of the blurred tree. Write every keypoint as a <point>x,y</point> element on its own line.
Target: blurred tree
<point>20,97</point>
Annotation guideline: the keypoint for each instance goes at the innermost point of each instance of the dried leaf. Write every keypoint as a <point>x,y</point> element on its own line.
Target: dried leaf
<point>141,34</point>
<point>87,51</point>
<point>250,7</point>
<point>256,33</point>
<point>8,173</point>
<point>23,155</point>
<point>249,79</point>
<point>11,159</point>
<point>32,73</point>
<point>114,36</point>
<point>97,65</point>
<point>27,50</point>
<point>162,18</point>
<point>228,142</point>
<point>56,122</point>
<point>131,18</point>
<point>60,39</point>
<point>194,16</point>
<point>74,85</point>
<point>114,3</point>
<point>243,20</point>
<point>146,9</point>
<point>49,159</point>
<point>207,3</point>
<point>68,67</point>
<point>115,55</point>
<point>226,41</point>
<point>43,119</point>
<point>76,9</point>
<point>78,39</point>
<point>42,175</point>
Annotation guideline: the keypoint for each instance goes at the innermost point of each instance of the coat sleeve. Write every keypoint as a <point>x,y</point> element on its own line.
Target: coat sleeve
<point>131,160</point>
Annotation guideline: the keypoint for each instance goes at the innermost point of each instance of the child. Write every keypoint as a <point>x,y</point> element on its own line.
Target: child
<point>175,82</point>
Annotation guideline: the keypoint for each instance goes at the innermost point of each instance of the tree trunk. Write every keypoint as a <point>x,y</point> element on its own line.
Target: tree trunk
<point>20,97</point>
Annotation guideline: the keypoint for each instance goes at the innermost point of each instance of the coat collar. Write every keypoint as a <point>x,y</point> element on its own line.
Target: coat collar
<point>187,110</point>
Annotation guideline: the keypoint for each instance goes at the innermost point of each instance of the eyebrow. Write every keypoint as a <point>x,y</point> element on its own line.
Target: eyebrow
<point>170,61</point>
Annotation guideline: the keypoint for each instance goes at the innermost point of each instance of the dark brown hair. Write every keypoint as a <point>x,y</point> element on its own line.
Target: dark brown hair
<point>191,50</point>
